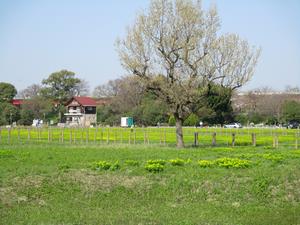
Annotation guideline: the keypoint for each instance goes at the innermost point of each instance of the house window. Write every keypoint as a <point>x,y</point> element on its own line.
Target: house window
<point>90,110</point>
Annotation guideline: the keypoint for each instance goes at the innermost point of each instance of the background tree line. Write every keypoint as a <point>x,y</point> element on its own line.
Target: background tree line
<point>127,96</point>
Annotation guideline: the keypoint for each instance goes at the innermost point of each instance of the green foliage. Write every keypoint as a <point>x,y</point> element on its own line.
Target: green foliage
<point>64,167</point>
<point>177,162</point>
<point>26,117</point>
<point>172,121</point>
<point>157,161</point>
<point>6,154</point>
<point>7,92</point>
<point>206,163</point>
<point>192,120</point>
<point>31,181</point>
<point>102,165</point>
<point>291,111</point>
<point>273,157</point>
<point>130,162</point>
<point>8,113</point>
<point>232,163</point>
<point>115,166</point>
<point>217,107</point>
<point>60,86</point>
<point>154,167</point>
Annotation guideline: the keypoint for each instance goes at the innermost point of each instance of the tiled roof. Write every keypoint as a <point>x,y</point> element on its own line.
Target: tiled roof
<point>17,101</point>
<point>85,101</point>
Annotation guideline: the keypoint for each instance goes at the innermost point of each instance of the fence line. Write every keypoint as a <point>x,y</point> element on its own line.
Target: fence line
<point>163,136</point>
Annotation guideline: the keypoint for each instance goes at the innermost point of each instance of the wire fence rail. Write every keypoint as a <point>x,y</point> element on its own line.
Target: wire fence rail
<point>152,135</point>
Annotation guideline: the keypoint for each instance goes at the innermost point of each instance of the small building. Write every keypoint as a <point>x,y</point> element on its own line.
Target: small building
<point>126,121</point>
<point>81,111</point>
<point>17,102</point>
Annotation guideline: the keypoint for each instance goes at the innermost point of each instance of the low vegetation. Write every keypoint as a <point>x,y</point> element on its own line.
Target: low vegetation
<point>61,184</point>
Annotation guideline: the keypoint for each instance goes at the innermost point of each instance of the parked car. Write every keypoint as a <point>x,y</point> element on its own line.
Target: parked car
<point>293,125</point>
<point>233,125</point>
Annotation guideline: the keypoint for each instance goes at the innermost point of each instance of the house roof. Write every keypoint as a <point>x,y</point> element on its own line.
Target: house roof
<point>17,102</point>
<point>84,101</point>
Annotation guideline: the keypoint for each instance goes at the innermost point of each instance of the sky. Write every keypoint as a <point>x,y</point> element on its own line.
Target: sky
<point>39,37</point>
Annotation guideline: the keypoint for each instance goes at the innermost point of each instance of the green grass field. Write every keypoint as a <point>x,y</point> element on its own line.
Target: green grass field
<point>109,184</point>
<point>164,136</point>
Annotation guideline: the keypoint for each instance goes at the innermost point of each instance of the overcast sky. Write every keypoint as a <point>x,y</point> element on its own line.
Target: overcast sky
<point>41,37</point>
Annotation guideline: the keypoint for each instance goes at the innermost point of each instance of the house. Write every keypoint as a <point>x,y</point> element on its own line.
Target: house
<point>17,103</point>
<point>81,111</point>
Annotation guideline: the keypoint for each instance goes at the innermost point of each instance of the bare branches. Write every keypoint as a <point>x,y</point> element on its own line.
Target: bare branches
<point>175,48</point>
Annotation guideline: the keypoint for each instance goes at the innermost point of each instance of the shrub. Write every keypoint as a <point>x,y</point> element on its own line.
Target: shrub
<point>272,157</point>
<point>6,154</point>
<point>232,163</point>
<point>157,161</point>
<point>177,162</point>
<point>130,162</point>
<point>154,167</point>
<point>205,163</point>
<point>102,165</point>
<point>115,166</point>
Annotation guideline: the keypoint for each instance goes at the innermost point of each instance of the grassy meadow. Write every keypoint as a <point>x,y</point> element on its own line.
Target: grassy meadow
<point>148,184</point>
<point>151,135</point>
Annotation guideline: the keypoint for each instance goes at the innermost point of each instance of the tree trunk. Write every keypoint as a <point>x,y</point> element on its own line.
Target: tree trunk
<point>179,134</point>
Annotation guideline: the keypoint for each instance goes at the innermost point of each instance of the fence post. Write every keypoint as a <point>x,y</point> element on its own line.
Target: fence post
<point>8,136</point>
<point>95,135</point>
<point>253,139</point>
<point>87,137</point>
<point>196,139</point>
<point>233,140</point>
<point>275,141</point>
<point>165,136</point>
<point>28,135</point>
<point>134,137</point>
<point>147,133</point>
<point>39,134</point>
<point>19,138</point>
<point>121,136</point>
<point>70,135</point>
<point>160,136</point>
<point>214,139</point>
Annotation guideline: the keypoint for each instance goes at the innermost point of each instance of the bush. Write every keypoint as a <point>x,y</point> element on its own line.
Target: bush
<point>274,158</point>
<point>154,168</point>
<point>102,165</point>
<point>157,161</point>
<point>232,163</point>
<point>205,163</point>
<point>130,162</point>
<point>172,121</point>
<point>177,162</point>
<point>115,166</point>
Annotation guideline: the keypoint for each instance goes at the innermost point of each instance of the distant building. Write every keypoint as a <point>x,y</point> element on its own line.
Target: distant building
<point>81,111</point>
<point>17,102</point>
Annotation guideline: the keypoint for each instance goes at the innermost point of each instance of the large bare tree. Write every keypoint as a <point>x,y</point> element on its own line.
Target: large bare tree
<point>176,50</point>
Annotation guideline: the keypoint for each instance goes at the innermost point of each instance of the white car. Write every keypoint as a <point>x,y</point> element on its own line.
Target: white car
<point>233,125</point>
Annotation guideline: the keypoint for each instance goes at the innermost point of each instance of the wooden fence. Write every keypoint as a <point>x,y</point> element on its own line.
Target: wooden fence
<point>163,136</point>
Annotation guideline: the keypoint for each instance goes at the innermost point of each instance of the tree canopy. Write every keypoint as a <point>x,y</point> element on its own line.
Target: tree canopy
<point>175,49</point>
<point>7,92</point>
<point>60,86</point>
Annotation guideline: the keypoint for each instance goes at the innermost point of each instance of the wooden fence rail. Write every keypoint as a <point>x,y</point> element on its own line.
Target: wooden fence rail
<point>162,136</point>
